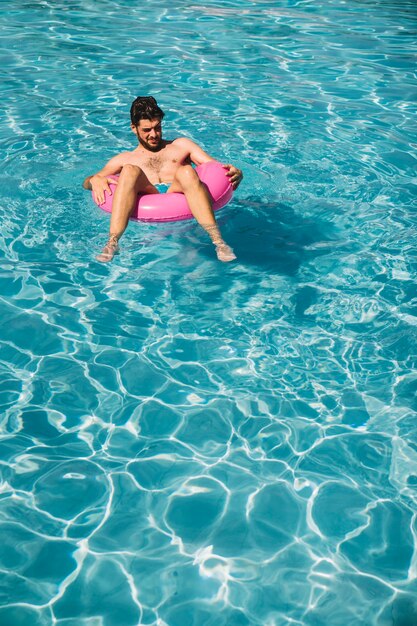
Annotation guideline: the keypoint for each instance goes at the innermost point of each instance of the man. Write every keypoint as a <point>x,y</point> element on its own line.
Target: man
<point>153,162</point>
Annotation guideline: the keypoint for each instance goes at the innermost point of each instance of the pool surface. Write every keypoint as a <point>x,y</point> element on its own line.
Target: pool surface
<point>185,442</point>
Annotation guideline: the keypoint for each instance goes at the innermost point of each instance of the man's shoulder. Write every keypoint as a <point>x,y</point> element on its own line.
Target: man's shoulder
<point>126,153</point>
<point>122,155</point>
<point>184,144</point>
<point>125,157</point>
<point>183,141</point>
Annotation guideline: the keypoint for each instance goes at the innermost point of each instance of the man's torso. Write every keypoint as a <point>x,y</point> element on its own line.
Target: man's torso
<point>160,166</point>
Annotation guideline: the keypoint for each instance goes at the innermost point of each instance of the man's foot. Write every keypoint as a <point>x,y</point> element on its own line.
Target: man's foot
<point>110,249</point>
<point>225,252</point>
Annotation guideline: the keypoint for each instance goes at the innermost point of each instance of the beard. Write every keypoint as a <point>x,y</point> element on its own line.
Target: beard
<point>153,147</point>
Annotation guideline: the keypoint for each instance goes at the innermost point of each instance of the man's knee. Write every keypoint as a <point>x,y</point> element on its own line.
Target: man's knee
<point>187,176</point>
<point>131,171</point>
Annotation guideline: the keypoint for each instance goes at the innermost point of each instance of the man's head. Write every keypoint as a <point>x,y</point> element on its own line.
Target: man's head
<point>146,121</point>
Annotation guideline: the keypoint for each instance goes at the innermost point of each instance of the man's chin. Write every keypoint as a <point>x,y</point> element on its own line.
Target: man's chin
<point>153,147</point>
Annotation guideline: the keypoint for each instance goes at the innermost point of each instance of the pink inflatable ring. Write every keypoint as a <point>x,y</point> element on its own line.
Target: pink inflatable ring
<point>170,207</point>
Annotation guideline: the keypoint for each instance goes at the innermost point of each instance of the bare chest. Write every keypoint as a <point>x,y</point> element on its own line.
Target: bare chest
<point>159,167</point>
<point>155,163</point>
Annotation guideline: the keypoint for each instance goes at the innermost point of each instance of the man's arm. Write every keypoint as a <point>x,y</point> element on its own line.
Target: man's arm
<point>198,156</point>
<point>99,183</point>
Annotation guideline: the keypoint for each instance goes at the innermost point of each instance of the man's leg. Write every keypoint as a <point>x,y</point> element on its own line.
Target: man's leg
<point>131,182</point>
<point>187,182</point>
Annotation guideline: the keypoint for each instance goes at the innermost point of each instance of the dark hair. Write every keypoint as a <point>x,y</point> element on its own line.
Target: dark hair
<point>145,108</point>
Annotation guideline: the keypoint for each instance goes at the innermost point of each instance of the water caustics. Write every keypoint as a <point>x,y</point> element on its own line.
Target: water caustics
<point>184,443</point>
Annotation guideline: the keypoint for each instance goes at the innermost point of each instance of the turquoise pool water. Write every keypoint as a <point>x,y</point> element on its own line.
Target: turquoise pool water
<point>188,443</point>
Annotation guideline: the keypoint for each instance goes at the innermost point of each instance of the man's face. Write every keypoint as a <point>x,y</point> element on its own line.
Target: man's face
<point>149,133</point>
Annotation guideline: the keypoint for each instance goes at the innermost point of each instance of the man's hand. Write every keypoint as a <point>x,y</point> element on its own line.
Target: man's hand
<point>235,175</point>
<point>100,184</point>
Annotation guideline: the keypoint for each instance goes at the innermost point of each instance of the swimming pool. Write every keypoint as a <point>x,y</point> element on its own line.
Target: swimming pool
<point>185,442</point>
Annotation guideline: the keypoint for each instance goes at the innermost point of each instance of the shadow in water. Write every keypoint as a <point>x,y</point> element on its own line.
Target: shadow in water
<point>272,235</point>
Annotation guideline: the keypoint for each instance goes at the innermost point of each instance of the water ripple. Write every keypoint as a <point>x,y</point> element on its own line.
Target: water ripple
<point>188,443</point>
